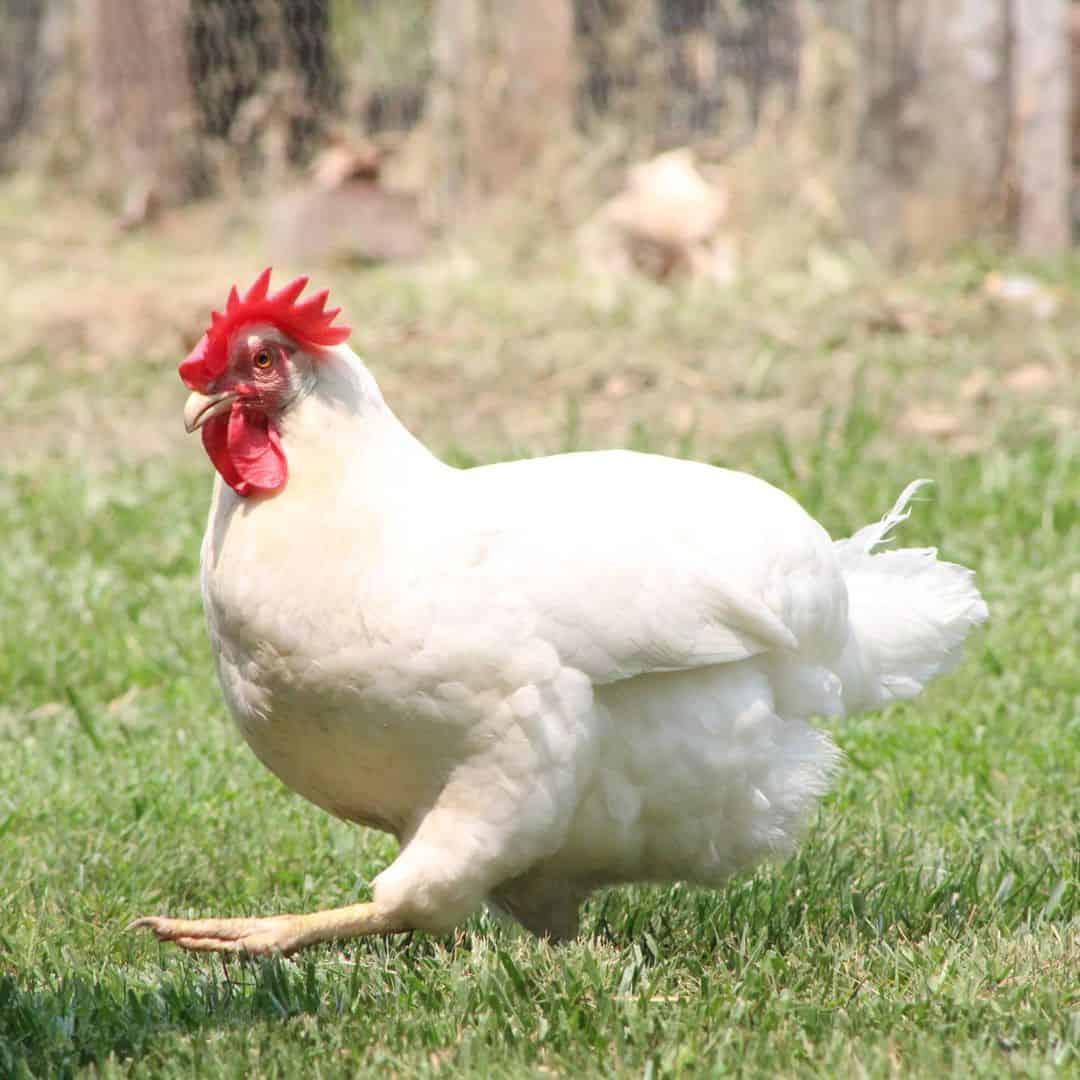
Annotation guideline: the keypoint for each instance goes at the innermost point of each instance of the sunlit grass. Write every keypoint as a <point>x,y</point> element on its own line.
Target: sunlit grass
<point>929,925</point>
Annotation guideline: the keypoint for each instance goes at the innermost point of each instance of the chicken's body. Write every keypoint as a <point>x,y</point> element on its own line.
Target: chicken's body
<point>545,676</point>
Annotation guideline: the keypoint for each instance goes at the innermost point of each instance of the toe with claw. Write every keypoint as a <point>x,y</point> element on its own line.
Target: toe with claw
<point>282,934</point>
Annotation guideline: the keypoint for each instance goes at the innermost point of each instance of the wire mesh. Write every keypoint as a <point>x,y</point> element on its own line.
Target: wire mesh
<point>672,68</point>
<point>664,70</point>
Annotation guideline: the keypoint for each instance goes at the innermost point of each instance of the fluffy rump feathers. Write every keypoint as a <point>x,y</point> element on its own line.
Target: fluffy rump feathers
<point>908,612</point>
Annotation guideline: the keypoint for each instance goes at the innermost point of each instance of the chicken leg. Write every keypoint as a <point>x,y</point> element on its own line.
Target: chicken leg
<point>284,934</point>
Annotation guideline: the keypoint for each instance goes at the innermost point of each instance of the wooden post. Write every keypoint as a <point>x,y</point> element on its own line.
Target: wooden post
<point>502,91</point>
<point>1040,112</point>
<point>139,99</point>
<point>20,30</point>
<point>933,125</point>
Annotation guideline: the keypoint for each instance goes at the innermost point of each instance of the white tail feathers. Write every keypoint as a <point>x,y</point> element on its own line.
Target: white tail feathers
<point>909,613</point>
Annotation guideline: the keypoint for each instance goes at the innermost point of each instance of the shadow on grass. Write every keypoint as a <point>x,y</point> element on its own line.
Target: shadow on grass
<point>53,1026</point>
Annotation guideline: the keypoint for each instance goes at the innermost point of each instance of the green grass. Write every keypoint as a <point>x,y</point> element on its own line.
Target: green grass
<point>928,926</point>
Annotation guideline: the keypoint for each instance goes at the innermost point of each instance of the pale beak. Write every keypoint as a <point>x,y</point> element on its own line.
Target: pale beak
<point>201,407</point>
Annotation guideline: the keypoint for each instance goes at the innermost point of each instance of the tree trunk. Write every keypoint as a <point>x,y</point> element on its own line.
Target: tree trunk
<point>20,26</point>
<point>502,93</point>
<point>1040,107</point>
<point>139,98</point>
<point>933,123</point>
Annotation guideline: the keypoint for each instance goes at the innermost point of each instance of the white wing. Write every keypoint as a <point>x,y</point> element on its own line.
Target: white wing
<point>633,562</point>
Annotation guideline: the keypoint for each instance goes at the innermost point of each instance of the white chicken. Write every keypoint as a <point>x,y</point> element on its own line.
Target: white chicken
<point>542,677</point>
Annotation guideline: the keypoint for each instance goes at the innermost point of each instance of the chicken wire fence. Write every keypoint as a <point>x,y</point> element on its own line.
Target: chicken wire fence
<point>666,70</point>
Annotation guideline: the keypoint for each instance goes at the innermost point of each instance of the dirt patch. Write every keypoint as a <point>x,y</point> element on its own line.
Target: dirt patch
<point>490,349</point>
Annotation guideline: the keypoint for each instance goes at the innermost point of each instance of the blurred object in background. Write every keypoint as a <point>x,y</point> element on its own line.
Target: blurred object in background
<point>1041,155</point>
<point>907,126</point>
<point>933,123</point>
<point>139,103</point>
<point>1022,292</point>
<point>238,51</point>
<point>150,105</point>
<point>345,213</point>
<point>20,73</point>
<point>1074,83</point>
<point>666,223</point>
<point>500,105</point>
<point>962,126</point>
<point>674,71</point>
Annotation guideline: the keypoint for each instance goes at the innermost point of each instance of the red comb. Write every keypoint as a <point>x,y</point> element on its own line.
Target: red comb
<point>307,323</point>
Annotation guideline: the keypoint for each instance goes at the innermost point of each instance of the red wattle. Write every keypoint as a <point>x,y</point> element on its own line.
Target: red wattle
<point>245,448</point>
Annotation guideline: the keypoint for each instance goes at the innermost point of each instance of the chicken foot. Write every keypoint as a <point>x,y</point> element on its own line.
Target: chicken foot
<point>283,934</point>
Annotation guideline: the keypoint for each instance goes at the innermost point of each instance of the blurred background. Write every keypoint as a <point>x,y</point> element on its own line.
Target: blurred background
<point>582,210</point>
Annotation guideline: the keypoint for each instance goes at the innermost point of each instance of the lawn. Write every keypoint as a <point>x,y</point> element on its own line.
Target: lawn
<point>930,924</point>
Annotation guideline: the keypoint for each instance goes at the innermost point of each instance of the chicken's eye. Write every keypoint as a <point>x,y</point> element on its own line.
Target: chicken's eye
<point>262,359</point>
